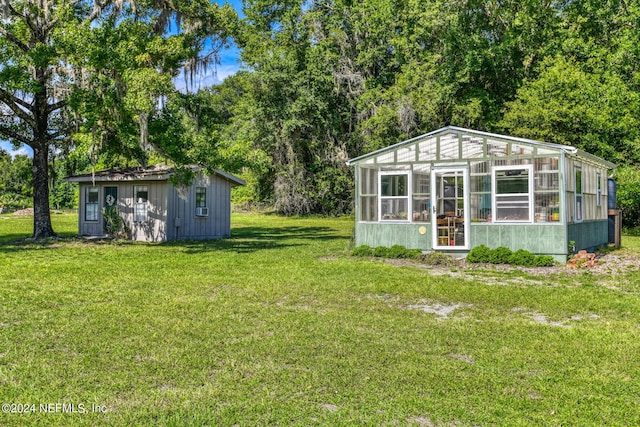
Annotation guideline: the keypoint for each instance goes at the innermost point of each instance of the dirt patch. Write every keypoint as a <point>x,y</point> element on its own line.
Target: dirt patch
<point>610,264</point>
<point>440,310</point>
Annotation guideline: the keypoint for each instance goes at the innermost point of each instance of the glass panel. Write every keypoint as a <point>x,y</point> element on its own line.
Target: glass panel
<point>496,148</point>
<point>521,150</point>
<point>394,185</point>
<point>91,204</point>
<point>449,147</point>
<point>421,212</point>
<point>427,150</point>
<point>512,181</point>
<point>472,147</point>
<point>385,158</point>
<point>547,207</point>
<point>368,181</point>
<point>369,208</point>
<point>512,208</point>
<point>201,197</point>
<point>407,154</point>
<point>141,197</point>
<point>394,209</point>
<point>578,181</point>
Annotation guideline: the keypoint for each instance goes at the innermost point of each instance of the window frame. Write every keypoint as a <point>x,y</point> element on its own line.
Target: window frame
<point>201,191</point>
<point>530,194</point>
<point>598,189</point>
<point>95,205</point>
<point>407,196</point>
<point>578,213</point>
<point>140,207</point>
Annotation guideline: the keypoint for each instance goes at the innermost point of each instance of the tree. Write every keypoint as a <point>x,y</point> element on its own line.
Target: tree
<point>55,80</point>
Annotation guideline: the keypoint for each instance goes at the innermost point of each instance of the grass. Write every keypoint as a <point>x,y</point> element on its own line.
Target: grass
<point>278,325</point>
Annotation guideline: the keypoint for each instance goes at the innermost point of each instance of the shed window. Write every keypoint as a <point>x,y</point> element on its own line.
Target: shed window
<point>513,193</point>
<point>91,204</point>
<point>394,196</point>
<point>579,205</point>
<point>421,202</point>
<point>598,189</point>
<point>201,197</point>
<point>141,203</point>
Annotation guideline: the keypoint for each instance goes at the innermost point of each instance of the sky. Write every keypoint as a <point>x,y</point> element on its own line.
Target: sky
<point>229,65</point>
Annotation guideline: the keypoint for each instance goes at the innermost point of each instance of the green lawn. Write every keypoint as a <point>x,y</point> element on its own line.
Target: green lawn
<point>279,326</point>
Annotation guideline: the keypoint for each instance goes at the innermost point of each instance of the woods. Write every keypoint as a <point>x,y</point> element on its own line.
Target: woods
<point>322,82</point>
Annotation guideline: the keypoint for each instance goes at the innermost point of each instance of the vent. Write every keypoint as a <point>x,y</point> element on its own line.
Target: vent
<point>202,211</point>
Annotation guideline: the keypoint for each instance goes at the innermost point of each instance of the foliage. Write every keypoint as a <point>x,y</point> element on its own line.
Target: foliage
<point>381,252</point>
<point>628,195</point>
<point>363,251</point>
<point>114,223</point>
<point>502,255</point>
<point>479,254</point>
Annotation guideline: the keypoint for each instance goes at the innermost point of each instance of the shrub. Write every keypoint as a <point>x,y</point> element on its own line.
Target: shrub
<point>381,252</point>
<point>363,251</point>
<point>523,258</point>
<point>504,255</point>
<point>479,254</point>
<point>544,261</point>
<point>501,255</point>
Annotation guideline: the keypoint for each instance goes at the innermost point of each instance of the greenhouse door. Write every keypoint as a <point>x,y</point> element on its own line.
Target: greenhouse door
<point>449,212</point>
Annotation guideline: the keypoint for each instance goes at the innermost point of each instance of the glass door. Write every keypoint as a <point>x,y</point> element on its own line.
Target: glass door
<point>449,213</point>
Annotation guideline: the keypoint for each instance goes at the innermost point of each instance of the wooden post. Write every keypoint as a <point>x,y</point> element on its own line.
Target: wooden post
<point>617,225</point>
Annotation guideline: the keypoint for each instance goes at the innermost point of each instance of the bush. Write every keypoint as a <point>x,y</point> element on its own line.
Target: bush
<point>381,252</point>
<point>544,261</point>
<point>501,255</point>
<point>523,258</point>
<point>504,255</point>
<point>479,254</point>
<point>363,250</point>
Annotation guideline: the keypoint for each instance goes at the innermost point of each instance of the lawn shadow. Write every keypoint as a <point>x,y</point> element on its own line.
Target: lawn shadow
<point>242,240</point>
<point>251,239</point>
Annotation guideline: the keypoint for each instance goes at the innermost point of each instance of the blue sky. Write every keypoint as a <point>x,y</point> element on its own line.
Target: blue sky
<point>229,65</point>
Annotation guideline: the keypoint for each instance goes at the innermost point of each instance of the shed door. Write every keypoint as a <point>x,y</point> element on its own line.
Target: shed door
<point>110,200</point>
<point>449,212</point>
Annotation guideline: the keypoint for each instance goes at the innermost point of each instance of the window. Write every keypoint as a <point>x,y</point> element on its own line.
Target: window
<point>598,189</point>
<point>421,203</point>
<point>579,206</point>
<point>394,196</point>
<point>513,186</point>
<point>368,183</point>
<point>201,197</point>
<point>141,203</point>
<point>91,204</point>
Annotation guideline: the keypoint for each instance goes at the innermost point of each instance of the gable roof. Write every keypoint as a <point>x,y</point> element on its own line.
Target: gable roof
<point>454,129</point>
<point>153,173</point>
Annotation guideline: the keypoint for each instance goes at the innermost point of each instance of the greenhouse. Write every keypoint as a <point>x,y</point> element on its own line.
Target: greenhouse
<point>453,189</point>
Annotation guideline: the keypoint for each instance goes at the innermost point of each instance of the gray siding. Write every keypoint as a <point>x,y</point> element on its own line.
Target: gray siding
<point>183,222</point>
<point>154,228</point>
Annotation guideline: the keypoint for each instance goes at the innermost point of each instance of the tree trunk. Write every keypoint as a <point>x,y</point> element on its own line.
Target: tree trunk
<point>41,215</point>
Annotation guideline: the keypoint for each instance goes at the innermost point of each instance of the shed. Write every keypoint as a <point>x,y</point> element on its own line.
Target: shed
<point>453,189</point>
<point>153,208</point>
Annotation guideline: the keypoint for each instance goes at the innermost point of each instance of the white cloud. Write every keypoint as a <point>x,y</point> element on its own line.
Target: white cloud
<point>22,150</point>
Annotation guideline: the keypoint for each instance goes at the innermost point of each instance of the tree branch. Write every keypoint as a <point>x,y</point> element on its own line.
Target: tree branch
<point>14,104</point>
<point>56,106</point>
<point>13,39</point>
<point>7,131</point>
